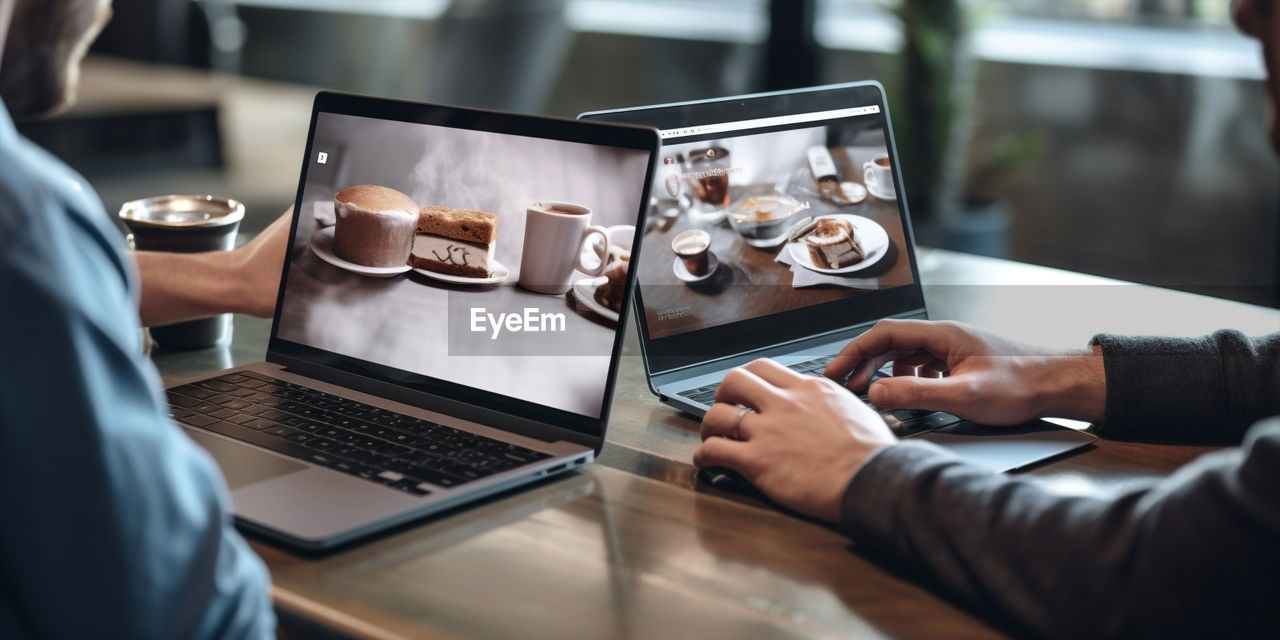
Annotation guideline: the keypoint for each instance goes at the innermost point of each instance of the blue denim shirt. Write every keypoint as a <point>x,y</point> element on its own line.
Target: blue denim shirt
<point>112,522</point>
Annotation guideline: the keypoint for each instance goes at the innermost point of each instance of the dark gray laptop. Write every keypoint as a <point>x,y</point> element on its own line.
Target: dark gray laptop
<point>777,228</point>
<point>407,372</point>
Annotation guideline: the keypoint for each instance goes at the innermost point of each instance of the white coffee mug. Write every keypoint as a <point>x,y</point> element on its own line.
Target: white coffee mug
<point>555,234</point>
<point>879,178</point>
<point>620,237</point>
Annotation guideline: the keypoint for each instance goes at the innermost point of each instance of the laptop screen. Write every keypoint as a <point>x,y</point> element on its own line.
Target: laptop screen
<point>426,253</point>
<point>773,217</point>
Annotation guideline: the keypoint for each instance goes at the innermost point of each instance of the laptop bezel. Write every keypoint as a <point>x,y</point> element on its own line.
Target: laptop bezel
<point>680,351</point>
<point>435,394</point>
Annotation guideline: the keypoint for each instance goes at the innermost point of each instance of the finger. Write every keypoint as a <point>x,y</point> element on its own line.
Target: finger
<point>773,373</point>
<point>902,336</point>
<point>867,368</point>
<point>722,452</point>
<point>919,364</point>
<point>745,388</point>
<point>724,420</point>
<point>952,395</point>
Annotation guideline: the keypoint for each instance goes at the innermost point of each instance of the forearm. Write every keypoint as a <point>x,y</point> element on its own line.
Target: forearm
<point>1183,557</point>
<point>1208,389</point>
<point>183,286</point>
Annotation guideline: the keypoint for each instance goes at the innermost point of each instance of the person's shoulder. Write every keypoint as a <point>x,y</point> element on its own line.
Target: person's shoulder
<point>35,184</point>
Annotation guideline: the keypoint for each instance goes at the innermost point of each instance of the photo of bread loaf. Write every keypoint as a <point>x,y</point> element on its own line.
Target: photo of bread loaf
<point>373,225</point>
<point>456,242</point>
<point>833,244</point>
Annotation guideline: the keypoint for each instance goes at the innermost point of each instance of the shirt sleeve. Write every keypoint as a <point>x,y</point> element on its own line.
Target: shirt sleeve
<point>1207,389</point>
<point>114,522</point>
<point>1194,555</point>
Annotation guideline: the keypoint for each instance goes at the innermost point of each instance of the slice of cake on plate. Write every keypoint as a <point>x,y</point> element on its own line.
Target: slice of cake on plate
<point>833,244</point>
<point>456,242</point>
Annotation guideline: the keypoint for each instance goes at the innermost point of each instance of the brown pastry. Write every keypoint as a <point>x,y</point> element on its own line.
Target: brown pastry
<point>610,293</point>
<point>457,242</point>
<point>833,244</point>
<point>373,225</point>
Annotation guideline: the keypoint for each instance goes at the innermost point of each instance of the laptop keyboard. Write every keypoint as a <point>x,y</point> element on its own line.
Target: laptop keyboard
<point>903,422</point>
<point>392,449</point>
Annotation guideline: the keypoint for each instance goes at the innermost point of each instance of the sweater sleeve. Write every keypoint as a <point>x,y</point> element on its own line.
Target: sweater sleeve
<point>1207,389</point>
<point>1195,555</point>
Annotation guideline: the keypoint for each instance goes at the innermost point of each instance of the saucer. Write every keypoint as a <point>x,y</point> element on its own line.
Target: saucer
<point>681,272</point>
<point>584,291</point>
<point>872,236</point>
<point>322,246</point>
<point>881,195</point>
<point>500,275</point>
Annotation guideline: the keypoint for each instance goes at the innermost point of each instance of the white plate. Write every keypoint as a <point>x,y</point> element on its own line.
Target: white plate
<point>500,275</point>
<point>584,291</point>
<point>682,272</point>
<point>322,245</point>
<point>874,239</point>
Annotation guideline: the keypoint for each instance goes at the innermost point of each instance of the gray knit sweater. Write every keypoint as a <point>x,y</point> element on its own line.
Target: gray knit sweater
<point>1196,554</point>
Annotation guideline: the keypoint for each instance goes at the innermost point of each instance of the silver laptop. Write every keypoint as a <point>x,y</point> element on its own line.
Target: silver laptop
<point>434,341</point>
<point>777,228</point>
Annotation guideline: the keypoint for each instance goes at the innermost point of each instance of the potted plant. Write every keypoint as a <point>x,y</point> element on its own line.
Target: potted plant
<point>933,95</point>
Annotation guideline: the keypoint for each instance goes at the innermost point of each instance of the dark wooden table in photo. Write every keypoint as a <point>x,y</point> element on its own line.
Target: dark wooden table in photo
<point>749,281</point>
<point>634,546</point>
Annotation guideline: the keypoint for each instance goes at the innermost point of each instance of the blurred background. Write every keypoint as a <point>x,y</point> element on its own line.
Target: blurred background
<point>1121,138</point>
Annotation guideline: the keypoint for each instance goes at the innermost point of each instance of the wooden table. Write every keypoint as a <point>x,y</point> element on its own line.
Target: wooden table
<point>634,547</point>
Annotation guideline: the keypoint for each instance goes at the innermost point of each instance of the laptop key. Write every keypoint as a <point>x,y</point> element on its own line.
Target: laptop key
<point>181,400</point>
<point>940,420</point>
<point>258,424</point>
<point>198,420</point>
<point>216,385</point>
<point>223,414</point>
<point>241,418</point>
<point>193,391</point>
<point>280,431</point>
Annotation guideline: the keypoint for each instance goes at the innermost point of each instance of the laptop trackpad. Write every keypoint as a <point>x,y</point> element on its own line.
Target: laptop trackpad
<point>242,465</point>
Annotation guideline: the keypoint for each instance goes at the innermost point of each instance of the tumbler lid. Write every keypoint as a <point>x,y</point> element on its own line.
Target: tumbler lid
<point>179,211</point>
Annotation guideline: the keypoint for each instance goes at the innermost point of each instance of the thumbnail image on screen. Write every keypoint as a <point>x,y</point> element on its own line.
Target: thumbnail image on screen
<point>488,260</point>
<point>758,224</point>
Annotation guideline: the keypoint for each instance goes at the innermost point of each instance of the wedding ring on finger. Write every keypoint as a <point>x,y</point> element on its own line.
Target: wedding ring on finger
<point>738,421</point>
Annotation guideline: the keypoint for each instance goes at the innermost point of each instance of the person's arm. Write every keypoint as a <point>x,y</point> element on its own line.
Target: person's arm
<point>183,286</point>
<point>1208,389</point>
<point>114,522</point>
<point>1192,556</point>
<point>1195,555</point>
